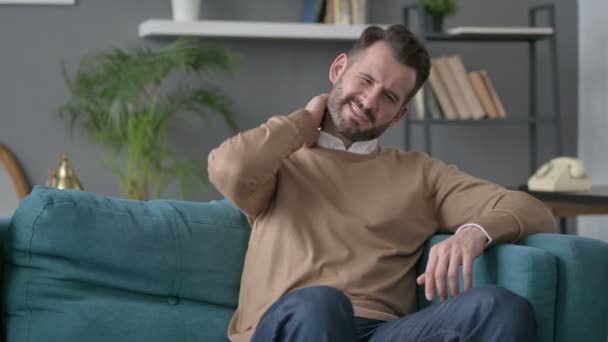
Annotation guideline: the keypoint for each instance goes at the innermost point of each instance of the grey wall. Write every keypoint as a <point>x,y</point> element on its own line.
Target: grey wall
<point>593,122</point>
<point>276,77</point>
<point>9,199</point>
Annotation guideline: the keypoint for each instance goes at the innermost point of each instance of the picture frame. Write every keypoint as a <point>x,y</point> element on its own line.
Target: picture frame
<point>14,171</point>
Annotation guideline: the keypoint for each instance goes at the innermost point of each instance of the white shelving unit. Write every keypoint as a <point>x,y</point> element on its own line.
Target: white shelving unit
<point>249,29</point>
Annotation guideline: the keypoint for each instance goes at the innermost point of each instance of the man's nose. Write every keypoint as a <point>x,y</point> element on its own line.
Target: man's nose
<point>371,98</point>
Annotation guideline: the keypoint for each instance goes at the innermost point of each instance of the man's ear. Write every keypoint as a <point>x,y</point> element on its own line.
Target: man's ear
<point>337,67</point>
<point>400,115</point>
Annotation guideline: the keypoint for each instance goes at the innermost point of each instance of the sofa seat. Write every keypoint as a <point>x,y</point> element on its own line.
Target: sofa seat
<point>83,267</point>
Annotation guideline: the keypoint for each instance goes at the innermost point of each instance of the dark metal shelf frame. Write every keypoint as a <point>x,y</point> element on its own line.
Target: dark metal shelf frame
<point>532,120</point>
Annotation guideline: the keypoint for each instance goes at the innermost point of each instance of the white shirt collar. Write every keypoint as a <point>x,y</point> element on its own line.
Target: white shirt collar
<point>360,147</point>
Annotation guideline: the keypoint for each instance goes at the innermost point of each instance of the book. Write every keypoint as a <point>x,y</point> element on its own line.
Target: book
<point>337,12</point>
<point>441,93</point>
<point>500,30</point>
<point>418,104</point>
<point>313,11</point>
<point>470,98</point>
<point>433,108</point>
<point>358,12</point>
<point>364,4</point>
<point>453,88</point>
<point>499,107</point>
<point>483,94</point>
<point>329,17</point>
<point>344,10</point>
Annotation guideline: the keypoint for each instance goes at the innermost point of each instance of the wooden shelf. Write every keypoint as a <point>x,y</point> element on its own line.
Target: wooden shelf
<point>493,34</point>
<point>250,29</point>
<point>507,121</point>
<point>487,37</point>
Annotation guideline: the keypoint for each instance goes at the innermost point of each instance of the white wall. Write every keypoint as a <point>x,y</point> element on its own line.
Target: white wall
<point>593,104</point>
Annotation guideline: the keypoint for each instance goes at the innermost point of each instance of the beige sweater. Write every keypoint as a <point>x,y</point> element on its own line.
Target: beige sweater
<point>354,222</point>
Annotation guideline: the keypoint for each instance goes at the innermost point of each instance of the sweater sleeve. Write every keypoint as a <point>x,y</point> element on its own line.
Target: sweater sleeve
<point>244,168</point>
<point>506,215</point>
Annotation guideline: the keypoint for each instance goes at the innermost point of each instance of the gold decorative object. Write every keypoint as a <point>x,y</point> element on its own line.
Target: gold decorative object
<point>52,182</point>
<point>63,177</point>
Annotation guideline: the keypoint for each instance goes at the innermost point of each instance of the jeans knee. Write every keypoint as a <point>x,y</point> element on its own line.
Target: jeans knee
<point>319,301</point>
<point>503,300</point>
<point>319,313</point>
<point>506,307</point>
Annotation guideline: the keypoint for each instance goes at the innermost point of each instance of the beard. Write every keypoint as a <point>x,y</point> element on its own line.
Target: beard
<point>348,127</point>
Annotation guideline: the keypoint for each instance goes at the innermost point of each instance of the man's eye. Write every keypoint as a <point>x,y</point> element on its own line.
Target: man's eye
<point>366,80</point>
<point>391,98</point>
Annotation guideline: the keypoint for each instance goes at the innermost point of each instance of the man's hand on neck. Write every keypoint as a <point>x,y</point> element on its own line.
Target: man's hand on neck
<point>317,107</point>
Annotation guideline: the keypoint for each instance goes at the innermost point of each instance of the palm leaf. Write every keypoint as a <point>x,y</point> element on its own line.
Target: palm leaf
<point>120,99</point>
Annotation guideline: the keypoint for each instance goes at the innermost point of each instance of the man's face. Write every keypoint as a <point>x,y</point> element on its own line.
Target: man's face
<point>369,92</point>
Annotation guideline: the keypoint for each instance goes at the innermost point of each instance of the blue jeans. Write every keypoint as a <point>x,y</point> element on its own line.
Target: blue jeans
<point>324,314</point>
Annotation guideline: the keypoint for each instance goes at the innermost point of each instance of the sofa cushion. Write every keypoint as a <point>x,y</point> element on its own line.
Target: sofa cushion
<point>80,266</point>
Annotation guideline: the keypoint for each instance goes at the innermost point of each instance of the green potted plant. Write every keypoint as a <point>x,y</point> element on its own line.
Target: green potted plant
<point>122,100</point>
<point>437,10</point>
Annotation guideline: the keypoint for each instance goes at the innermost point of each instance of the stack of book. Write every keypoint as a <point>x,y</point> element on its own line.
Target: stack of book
<point>344,12</point>
<point>458,94</point>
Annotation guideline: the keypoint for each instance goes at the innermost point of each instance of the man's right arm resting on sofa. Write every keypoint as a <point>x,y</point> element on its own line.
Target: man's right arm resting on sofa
<point>244,167</point>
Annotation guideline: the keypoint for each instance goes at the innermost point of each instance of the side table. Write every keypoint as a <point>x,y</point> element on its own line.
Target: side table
<point>573,203</point>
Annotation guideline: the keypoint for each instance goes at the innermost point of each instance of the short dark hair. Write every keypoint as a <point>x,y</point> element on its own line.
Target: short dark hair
<point>406,48</point>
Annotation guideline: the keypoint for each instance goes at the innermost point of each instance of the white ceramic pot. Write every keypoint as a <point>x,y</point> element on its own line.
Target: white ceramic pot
<point>185,10</point>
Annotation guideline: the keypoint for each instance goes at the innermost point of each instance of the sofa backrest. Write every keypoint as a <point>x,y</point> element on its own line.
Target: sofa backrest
<point>79,266</point>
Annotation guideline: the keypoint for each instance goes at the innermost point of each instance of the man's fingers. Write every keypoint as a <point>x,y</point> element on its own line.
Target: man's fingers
<point>429,282</point>
<point>442,271</point>
<point>455,261</point>
<point>316,107</point>
<point>440,276</point>
<point>467,272</point>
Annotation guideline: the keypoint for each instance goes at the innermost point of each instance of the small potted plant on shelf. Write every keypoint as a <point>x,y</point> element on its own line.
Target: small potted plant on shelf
<point>121,99</point>
<point>436,11</point>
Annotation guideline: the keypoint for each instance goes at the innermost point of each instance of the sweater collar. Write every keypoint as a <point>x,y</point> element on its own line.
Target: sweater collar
<point>327,140</point>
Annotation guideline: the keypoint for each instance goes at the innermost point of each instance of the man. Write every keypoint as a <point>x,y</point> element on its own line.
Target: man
<point>339,222</point>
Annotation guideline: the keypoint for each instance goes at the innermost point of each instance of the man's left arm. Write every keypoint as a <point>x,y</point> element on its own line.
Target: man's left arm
<point>483,214</point>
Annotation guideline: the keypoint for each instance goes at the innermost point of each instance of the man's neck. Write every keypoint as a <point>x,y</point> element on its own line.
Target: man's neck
<point>329,127</point>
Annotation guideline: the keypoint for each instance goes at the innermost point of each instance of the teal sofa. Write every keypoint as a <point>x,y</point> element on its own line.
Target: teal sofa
<point>83,267</point>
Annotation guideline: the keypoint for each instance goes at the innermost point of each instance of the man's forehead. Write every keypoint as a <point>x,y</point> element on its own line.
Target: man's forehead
<point>384,67</point>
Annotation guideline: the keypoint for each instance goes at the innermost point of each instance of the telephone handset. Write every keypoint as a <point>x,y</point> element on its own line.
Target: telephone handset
<point>560,174</point>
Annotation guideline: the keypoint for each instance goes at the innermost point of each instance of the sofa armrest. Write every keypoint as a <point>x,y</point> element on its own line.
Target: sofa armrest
<point>5,222</point>
<point>527,271</point>
<point>582,275</point>
<point>4,226</point>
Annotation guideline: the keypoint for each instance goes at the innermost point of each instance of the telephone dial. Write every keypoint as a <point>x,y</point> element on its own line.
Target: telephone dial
<point>560,174</point>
